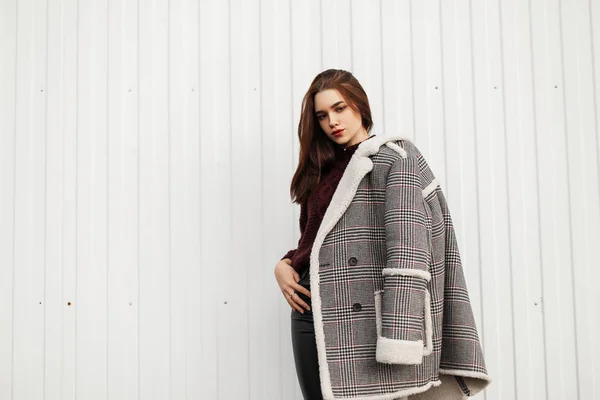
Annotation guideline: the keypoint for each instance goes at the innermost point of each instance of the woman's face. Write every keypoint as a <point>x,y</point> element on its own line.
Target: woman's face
<point>338,120</point>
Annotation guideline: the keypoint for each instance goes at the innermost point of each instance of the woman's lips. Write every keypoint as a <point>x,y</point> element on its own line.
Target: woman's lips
<point>337,134</point>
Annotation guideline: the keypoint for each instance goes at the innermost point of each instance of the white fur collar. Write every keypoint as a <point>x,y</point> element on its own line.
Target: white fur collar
<point>360,164</point>
<point>371,146</point>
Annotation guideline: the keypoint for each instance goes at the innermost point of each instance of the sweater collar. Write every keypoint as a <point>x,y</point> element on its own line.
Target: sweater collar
<point>348,151</point>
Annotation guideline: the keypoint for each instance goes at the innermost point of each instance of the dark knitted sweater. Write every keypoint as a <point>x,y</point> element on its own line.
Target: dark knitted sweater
<point>313,210</point>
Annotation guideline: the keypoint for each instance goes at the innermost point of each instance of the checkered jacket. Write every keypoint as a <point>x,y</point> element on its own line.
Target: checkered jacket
<point>389,299</point>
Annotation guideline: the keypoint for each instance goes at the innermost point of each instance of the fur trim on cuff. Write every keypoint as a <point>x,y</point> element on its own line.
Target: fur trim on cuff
<point>391,351</point>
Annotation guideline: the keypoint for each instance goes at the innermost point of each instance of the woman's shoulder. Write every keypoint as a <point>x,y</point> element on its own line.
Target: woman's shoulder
<point>402,150</point>
<point>405,147</point>
<point>392,149</point>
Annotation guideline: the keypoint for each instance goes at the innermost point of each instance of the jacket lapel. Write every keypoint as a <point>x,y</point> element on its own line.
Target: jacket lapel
<point>360,164</point>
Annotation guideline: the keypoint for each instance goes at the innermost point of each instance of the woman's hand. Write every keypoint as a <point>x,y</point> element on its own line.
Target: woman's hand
<point>287,279</point>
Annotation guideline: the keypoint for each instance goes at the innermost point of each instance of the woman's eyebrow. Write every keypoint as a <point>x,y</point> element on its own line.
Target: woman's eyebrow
<point>333,106</point>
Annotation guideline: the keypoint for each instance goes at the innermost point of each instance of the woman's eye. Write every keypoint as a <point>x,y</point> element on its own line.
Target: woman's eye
<point>320,117</point>
<point>340,109</point>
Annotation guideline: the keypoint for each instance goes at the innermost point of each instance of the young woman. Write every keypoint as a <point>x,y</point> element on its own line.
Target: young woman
<point>380,308</point>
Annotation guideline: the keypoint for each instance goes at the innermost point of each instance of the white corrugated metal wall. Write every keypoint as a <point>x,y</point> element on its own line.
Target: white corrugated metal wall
<point>146,151</point>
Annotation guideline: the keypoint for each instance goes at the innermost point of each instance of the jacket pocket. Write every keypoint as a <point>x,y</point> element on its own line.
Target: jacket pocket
<point>427,320</point>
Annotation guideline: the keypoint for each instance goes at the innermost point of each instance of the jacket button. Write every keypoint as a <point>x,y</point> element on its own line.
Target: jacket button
<point>352,261</point>
<point>357,307</point>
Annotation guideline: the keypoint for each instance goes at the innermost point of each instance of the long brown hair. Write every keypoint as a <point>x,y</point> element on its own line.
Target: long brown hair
<point>316,149</point>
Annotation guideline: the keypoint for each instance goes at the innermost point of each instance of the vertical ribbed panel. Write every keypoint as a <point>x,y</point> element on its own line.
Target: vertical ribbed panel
<point>146,152</point>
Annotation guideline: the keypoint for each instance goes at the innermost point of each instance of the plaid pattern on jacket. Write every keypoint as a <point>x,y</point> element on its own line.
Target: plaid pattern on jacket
<point>389,298</point>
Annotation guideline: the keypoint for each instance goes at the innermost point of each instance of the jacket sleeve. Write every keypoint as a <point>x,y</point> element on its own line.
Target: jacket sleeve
<point>403,303</point>
<point>303,220</point>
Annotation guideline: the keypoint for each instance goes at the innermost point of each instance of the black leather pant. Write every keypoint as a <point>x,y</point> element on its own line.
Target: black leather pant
<point>305,347</point>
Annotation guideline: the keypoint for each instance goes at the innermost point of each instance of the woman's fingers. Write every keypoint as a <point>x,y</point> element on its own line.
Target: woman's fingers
<point>299,288</point>
<point>299,300</point>
<point>295,288</point>
<point>291,301</point>
<point>295,300</point>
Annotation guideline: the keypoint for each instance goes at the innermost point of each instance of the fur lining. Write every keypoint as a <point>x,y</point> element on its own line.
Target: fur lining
<point>466,374</point>
<point>392,351</point>
<point>428,325</point>
<point>417,273</point>
<point>397,148</point>
<point>369,147</point>
<point>475,381</point>
<point>378,295</point>
<point>448,390</point>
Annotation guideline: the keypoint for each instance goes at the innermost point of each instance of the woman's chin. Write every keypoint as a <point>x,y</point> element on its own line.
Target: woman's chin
<point>339,139</point>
